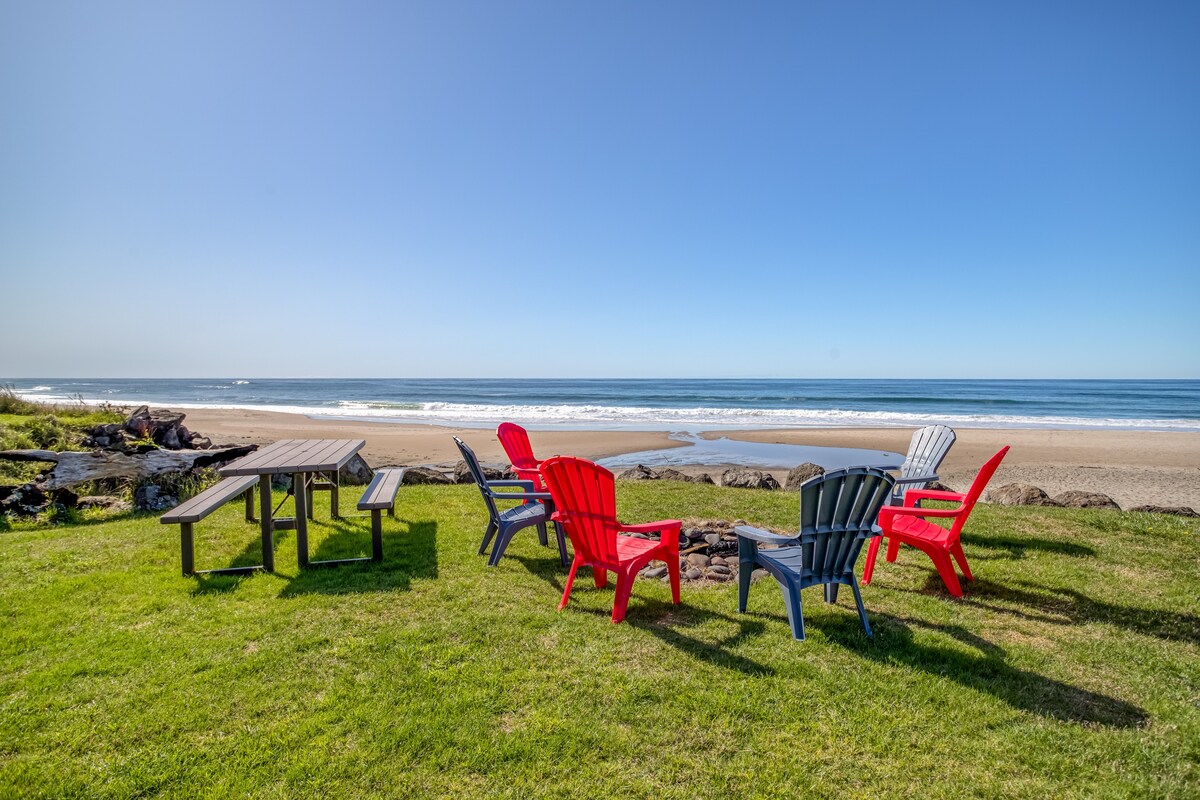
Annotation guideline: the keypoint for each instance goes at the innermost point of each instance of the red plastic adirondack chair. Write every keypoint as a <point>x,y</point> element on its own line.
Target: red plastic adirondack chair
<point>585,496</point>
<point>515,441</point>
<point>906,524</point>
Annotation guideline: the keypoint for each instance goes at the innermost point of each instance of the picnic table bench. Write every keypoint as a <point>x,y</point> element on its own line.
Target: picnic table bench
<point>188,513</point>
<point>380,495</point>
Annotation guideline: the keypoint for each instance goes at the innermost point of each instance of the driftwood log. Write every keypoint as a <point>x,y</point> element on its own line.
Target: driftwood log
<point>72,468</point>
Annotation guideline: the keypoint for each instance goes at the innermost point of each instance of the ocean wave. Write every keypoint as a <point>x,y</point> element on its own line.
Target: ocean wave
<point>655,418</point>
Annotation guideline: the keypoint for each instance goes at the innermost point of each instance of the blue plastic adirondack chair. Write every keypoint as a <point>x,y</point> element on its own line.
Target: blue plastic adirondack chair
<point>837,514</point>
<point>505,524</point>
<point>926,452</point>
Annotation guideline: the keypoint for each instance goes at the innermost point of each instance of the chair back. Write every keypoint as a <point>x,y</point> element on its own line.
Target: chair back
<point>477,473</point>
<point>837,514</point>
<point>926,452</point>
<point>586,501</point>
<point>977,487</point>
<point>515,441</point>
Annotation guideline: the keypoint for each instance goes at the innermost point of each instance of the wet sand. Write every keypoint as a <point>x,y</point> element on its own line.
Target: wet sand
<point>1132,467</point>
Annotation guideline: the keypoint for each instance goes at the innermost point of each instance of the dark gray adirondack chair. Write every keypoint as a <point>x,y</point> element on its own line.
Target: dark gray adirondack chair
<point>926,452</point>
<point>504,524</point>
<point>837,514</point>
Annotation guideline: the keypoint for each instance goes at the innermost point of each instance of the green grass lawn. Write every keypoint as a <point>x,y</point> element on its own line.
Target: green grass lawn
<point>1070,669</point>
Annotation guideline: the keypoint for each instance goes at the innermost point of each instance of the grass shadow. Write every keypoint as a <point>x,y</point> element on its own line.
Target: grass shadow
<point>668,623</point>
<point>982,668</point>
<point>1017,545</point>
<point>408,554</point>
<point>252,554</point>
<point>549,569</point>
<point>1063,606</point>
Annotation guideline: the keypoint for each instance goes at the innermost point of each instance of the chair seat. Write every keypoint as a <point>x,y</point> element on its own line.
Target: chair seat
<point>527,512</point>
<point>916,528</point>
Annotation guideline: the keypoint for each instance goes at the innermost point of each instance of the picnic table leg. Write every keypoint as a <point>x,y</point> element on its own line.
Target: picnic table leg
<point>333,495</point>
<point>308,493</point>
<point>268,524</point>
<point>250,505</point>
<point>300,494</point>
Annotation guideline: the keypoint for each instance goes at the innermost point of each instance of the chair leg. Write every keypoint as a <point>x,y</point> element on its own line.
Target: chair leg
<point>862,611</point>
<point>872,552</point>
<point>673,575</point>
<point>542,540</point>
<point>941,560</point>
<point>487,537</point>
<point>831,593</point>
<point>795,609</point>
<point>570,582</point>
<point>562,545</point>
<point>621,600</point>
<point>502,543</point>
<point>747,552</point>
<point>961,558</point>
<point>600,576</point>
<point>893,548</point>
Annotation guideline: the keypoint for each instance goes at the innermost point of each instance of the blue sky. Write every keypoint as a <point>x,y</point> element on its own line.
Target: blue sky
<point>687,189</point>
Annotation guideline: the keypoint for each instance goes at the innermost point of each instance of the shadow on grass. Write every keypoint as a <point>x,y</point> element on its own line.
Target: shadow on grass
<point>1017,545</point>
<point>983,669</point>
<point>407,554</point>
<point>1063,606</point>
<point>250,556</point>
<point>669,623</point>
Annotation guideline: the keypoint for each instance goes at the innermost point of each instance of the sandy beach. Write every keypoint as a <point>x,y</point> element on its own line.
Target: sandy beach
<point>1132,467</point>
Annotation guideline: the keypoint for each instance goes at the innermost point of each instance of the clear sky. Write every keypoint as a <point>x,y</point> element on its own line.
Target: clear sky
<point>685,189</point>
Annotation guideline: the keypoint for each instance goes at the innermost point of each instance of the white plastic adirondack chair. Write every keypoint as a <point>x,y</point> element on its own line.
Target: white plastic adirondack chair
<point>925,453</point>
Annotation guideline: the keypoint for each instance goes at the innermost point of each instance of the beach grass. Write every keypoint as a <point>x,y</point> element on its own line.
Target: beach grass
<point>1070,669</point>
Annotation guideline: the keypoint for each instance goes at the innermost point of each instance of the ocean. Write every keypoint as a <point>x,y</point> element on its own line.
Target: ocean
<point>676,405</point>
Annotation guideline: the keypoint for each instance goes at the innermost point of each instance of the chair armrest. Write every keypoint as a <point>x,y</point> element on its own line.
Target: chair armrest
<point>932,476</point>
<point>527,495</point>
<point>526,485</point>
<point>764,537</point>
<point>887,512</point>
<point>914,496</point>
<point>663,527</point>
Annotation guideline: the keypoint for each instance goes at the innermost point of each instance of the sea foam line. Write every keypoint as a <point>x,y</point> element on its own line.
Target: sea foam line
<point>596,417</point>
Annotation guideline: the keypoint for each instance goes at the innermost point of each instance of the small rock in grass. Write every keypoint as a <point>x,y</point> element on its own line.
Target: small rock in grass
<point>656,572</point>
<point>717,561</point>
<point>1179,511</point>
<point>1077,499</point>
<point>693,574</point>
<point>698,559</point>
<point>758,574</point>
<point>719,569</point>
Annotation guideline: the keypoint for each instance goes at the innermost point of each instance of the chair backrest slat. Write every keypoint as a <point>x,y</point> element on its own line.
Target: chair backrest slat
<point>837,514</point>
<point>977,487</point>
<point>585,493</point>
<point>477,473</point>
<point>515,441</point>
<point>926,452</point>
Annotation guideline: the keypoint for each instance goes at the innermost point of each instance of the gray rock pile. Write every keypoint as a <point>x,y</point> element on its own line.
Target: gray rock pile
<point>707,553</point>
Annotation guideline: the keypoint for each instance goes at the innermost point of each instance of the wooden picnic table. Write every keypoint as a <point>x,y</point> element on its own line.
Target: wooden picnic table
<point>304,460</point>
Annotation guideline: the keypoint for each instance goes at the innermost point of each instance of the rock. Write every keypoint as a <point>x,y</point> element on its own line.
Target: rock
<point>463,475</point>
<point>638,473</point>
<point>694,573</point>
<point>65,498</point>
<point>938,486</point>
<point>138,422</point>
<point>104,501</point>
<point>152,498</point>
<point>1019,494</point>
<point>712,538</point>
<point>718,576</point>
<point>424,475</point>
<point>800,474</point>
<point>758,574</point>
<point>28,500</point>
<point>668,474</point>
<point>697,559</point>
<point>717,561</point>
<point>748,479</point>
<point>356,472</point>
<point>1078,499</point>
<point>655,572</point>
<point>719,569</point>
<point>199,442</point>
<point>694,533</point>
<point>170,439</point>
<point>1179,511</point>
<point>703,477</point>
